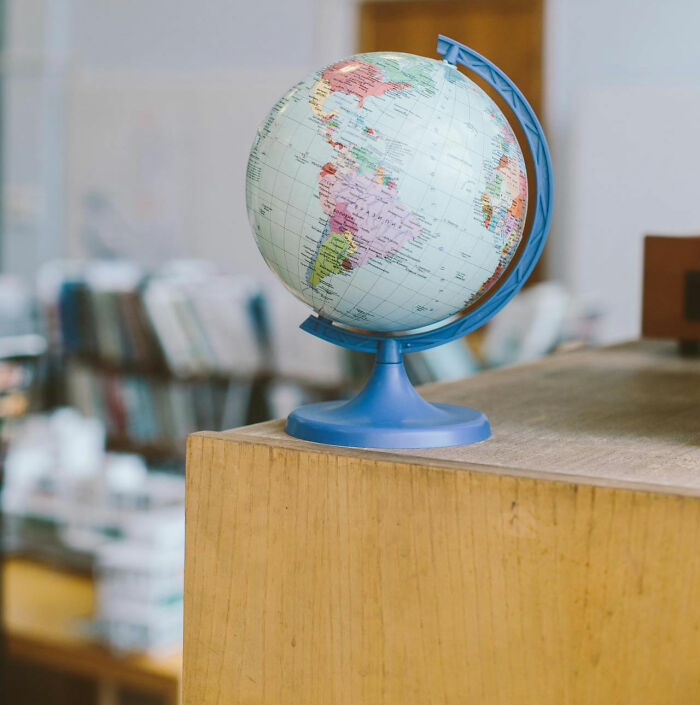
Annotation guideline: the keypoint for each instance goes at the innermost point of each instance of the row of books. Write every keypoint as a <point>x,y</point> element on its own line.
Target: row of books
<point>187,318</point>
<point>154,411</point>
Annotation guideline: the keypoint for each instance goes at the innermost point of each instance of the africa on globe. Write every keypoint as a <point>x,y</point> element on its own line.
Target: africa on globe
<point>387,191</point>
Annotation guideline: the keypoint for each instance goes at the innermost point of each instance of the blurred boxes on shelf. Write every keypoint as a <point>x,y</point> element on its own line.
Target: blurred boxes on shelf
<point>140,584</point>
<point>68,501</point>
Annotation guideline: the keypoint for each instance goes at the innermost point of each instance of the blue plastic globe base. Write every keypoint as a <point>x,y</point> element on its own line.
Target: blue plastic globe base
<point>388,413</point>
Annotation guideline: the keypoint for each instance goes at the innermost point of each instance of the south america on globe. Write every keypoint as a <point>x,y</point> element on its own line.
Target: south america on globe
<point>387,191</point>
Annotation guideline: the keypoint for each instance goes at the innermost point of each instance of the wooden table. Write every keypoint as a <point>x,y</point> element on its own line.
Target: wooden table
<point>557,563</point>
<point>43,611</point>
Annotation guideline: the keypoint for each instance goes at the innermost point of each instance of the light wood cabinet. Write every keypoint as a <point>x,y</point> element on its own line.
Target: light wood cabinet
<point>556,564</point>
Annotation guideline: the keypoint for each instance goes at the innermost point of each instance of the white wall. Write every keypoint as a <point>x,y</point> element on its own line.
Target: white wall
<point>33,96</point>
<point>622,110</point>
<point>84,72</point>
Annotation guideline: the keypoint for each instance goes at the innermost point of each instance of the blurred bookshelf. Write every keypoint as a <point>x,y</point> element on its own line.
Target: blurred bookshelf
<point>158,355</point>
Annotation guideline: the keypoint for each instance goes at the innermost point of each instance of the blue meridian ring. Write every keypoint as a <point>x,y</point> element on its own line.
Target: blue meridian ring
<point>453,52</point>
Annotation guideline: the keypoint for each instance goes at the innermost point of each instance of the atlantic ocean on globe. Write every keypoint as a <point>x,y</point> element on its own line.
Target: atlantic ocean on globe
<point>389,192</point>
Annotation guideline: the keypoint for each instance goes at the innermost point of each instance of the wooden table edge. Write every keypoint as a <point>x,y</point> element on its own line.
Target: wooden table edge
<point>290,443</point>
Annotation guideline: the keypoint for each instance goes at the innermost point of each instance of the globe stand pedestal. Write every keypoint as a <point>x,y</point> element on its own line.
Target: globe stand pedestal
<point>388,413</point>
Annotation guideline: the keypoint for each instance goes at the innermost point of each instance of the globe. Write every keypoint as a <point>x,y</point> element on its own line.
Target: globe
<point>387,191</point>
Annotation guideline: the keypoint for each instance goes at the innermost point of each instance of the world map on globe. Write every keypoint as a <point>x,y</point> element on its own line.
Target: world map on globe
<point>387,191</point>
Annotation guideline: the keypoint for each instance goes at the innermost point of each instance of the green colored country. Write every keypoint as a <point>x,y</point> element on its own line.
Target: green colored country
<point>493,187</point>
<point>369,163</point>
<point>329,259</point>
<point>366,161</point>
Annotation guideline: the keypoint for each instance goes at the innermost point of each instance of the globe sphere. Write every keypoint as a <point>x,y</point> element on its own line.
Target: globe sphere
<point>387,191</point>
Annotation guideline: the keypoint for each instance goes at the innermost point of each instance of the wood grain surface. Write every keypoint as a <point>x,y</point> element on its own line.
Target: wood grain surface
<point>318,575</point>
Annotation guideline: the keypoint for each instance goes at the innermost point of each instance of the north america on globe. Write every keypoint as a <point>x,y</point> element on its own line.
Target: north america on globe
<point>387,191</point>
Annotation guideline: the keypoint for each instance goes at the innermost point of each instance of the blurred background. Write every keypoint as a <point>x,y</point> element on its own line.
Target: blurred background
<point>135,307</point>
